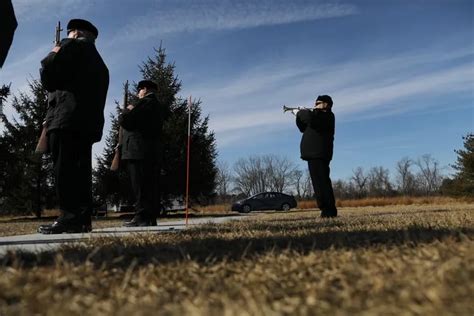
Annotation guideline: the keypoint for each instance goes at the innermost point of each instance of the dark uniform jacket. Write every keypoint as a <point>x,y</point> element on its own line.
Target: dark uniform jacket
<point>77,80</point>
<point>142,129</point>
<point>317,127</point>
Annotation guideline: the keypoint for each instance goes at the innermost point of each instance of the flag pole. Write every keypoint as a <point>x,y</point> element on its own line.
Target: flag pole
<point>187,160</point>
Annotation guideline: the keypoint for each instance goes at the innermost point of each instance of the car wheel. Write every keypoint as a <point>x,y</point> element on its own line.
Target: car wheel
<point>285,207</point>
<point>246,208</point>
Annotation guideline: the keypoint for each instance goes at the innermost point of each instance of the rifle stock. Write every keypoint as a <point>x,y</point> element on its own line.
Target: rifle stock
<point>116,160</point>
<point>42,145</point>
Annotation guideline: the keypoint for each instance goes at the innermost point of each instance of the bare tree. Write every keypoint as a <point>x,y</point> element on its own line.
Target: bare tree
<point>257,174</point>
<point>359,179</point>
<point>303,185</point>
<point>223,179</point>
<point>308,185</point>
<point>405,179</point>
<point>298,182</point>
<point>250,176</point>
<point>279,172</point>
<point>378,182</point>
<point>429,176</point>
<point>340,189</point>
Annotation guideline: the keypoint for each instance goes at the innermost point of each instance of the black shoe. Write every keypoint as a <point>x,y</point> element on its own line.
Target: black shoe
<point>328,214</point>
<point>87,225</point>
<point>141,220</point>
<point>60,227</point>
<point>138,223</point>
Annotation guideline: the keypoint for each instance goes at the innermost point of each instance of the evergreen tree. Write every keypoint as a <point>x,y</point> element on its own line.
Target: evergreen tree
<point>28,177</point>
<point>463,182</point>
<point>203,149</point>
<point>203,153</point>
<point>104,180</point>
<point>6,158</point>
<point>109,186</point>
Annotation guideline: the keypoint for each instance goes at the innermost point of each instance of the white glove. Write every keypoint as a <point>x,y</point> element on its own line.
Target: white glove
<point>295,111</point>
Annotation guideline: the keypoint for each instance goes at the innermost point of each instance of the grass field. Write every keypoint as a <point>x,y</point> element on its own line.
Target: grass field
<point>384,260</point>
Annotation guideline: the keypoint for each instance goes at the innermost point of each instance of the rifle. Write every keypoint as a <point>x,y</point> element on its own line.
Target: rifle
<point>42,145</point>
<point>116,161</point>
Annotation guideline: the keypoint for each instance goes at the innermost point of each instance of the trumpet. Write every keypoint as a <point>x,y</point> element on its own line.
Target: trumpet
<point>287,108</point>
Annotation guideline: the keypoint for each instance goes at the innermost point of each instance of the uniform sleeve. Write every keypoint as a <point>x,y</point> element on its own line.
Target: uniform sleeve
<point>303,119</point>
<point>134,119</point>
<point>57,68</point>
<point>322,121</point>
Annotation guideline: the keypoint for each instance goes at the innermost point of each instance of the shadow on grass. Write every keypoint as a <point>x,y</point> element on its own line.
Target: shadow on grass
<point>124,216</point>
<point>29,219</point>
<point>203,245</point>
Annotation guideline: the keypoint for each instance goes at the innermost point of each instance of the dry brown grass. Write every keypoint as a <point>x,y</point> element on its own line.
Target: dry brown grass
<point>213,209</point>
<point>381,201</point>
<point>384,201</point>
<point>12,226</point>
<point>391,260</point>
<point>21,225</point>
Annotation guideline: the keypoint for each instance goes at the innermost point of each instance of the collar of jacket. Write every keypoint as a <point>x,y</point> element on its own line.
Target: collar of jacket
<point>149,94</point>
<point>85,39</point>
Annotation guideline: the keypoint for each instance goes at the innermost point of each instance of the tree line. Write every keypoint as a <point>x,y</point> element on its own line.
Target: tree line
<point>422,176</point>
<point>27,179</point>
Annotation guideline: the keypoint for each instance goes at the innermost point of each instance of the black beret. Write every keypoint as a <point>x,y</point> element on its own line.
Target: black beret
<point>147,84</point>
<point>80,24</point>
<point>325,98</point>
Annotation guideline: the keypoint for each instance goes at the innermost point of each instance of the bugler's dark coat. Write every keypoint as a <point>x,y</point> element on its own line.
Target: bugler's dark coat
<point>317,127</point>
<point>77,80</point>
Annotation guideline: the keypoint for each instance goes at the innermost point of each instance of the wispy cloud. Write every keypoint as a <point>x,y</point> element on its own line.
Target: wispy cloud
<point>370,95</point>
<point>22,69</point>
<point>361,88</point>
<point>34,10</point>
<point>227,14</point>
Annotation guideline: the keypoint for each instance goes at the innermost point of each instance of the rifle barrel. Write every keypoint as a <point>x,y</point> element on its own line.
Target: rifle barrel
<point>57,39</point>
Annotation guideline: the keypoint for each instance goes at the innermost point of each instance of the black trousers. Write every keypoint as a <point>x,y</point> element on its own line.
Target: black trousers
<point>72,159</point>
<point>145,179</point>
<point>322,185</point>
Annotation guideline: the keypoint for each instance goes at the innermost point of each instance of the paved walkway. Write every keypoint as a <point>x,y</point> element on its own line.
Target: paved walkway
<point>40,242</point>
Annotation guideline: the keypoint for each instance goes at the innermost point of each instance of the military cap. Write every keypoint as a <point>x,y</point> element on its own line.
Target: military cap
<point>325,98</point>
<point>80,24</point>
<point>147,84</point>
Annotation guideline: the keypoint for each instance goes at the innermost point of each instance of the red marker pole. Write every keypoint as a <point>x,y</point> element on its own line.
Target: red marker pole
<point>187,159</point>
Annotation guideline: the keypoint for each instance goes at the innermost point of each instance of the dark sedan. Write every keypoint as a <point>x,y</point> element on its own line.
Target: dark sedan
<point>265,201</point>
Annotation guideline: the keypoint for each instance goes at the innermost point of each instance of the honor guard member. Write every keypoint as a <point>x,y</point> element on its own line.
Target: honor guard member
<point>142,125</point>
<point>77,80</point>
<point>317,142</point>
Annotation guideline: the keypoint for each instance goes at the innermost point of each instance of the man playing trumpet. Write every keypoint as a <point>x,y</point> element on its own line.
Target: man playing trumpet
<point>317,142</point>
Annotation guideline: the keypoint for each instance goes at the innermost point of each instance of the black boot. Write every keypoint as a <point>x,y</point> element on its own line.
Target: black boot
<point>59,227</point>
<point>140,221</point>
<point>328,214</point>
<point>68,223</point>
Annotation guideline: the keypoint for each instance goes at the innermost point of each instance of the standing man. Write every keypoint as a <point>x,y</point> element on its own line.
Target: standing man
<point>142,125</point>
<point>77,80</point>
<point>316,147</point>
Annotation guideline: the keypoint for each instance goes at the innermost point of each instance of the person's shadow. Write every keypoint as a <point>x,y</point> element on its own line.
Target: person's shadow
<point>201,245</point>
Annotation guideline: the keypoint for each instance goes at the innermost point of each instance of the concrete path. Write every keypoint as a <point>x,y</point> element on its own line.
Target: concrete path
<point>40,242</point>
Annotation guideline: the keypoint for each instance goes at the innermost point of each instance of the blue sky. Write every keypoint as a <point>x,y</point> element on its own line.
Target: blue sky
<point>401,73</point>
